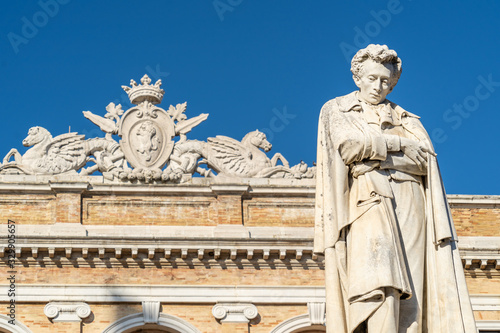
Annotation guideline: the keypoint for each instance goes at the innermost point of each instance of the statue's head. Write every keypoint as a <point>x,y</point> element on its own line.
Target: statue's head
<point>376,71</point>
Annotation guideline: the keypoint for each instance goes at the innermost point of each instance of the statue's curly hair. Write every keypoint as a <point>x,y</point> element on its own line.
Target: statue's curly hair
<point>378,53</point>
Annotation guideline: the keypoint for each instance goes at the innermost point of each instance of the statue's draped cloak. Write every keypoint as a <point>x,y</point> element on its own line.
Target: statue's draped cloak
<point>446,304</point>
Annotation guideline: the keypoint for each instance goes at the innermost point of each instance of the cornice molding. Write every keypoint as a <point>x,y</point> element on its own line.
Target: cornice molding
<point>185,294</point>
<point>466,201</point>
<point>106,245</point>
<point>196,294</point>
<point>98,185</point>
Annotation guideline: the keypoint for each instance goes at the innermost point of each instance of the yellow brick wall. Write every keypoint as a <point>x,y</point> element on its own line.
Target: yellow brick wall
<point>482,284</point>
<point>477,221</point>
<point>170,276</point>
<point>149,210</point>
<point>197,211</point>
<point>278,212</point>
<point>487,315</point>
<point>32,316</point>
<point>28,209</point>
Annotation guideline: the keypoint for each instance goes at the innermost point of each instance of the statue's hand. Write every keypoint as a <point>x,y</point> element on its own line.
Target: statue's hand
<point>416,151</point>
<point>360,168</point>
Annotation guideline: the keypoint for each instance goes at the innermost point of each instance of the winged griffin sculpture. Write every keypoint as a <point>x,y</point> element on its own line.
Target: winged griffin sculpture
<point>231,158</point>
<point>64,153</point>
<point>146,150</point>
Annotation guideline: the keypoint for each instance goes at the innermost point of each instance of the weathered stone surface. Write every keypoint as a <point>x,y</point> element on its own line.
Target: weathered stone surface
<point>381,211</point>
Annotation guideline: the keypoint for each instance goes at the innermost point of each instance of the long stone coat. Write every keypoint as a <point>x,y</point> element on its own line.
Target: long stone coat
<point>345,138</point>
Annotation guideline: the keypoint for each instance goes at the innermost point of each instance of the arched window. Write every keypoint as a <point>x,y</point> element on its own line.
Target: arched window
<point>154,329</point>
<point>166,323</point>
<point>5,327</point>
<point>298,324</point>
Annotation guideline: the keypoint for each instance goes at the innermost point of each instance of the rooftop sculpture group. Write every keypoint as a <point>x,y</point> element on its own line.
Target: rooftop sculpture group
<point>147,151</point>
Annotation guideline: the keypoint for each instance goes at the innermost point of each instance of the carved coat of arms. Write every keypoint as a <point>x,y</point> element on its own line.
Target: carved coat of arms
<point>152,146</point>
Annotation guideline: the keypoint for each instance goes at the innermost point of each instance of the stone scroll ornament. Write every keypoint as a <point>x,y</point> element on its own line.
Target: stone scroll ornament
<point>153,147</point>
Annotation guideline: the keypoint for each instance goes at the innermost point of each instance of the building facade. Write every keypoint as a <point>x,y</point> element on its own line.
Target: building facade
<point>208,255</point>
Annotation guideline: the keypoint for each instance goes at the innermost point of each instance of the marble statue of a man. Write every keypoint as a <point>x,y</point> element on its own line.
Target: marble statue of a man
<point>382,219</point>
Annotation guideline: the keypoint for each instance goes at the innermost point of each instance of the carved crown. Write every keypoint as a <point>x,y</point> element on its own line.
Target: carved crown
<point>145,91</point>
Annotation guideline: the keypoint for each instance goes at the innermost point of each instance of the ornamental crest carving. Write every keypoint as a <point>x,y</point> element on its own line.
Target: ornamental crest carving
<point>146,130</point>
<point>147,143</point>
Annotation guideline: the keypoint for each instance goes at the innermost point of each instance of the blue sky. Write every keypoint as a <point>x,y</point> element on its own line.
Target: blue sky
<point>266,65</point>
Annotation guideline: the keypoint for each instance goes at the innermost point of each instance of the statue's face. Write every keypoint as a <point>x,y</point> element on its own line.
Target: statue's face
<point>374,83</point>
